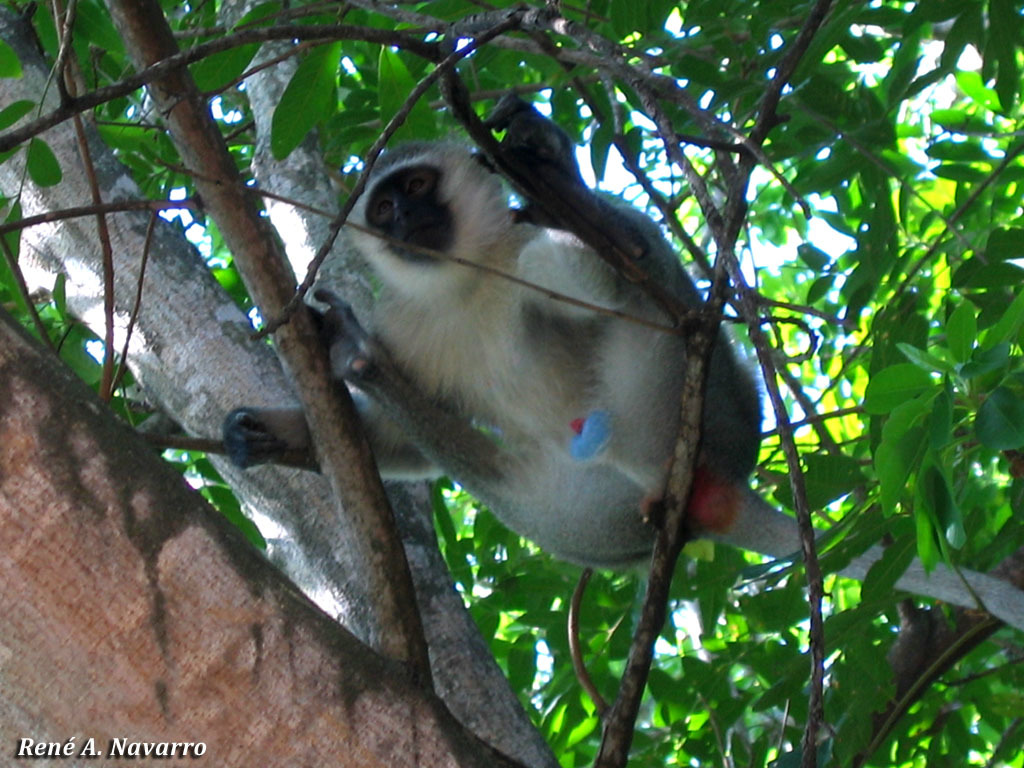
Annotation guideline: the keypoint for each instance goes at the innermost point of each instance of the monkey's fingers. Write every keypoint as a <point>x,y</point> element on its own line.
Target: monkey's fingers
<point>248,441</point>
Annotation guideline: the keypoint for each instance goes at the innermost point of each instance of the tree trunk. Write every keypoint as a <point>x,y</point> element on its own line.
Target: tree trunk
<point>133,611</point>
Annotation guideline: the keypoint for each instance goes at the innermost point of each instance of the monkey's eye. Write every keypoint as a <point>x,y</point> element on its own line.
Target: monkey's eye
<point>420,183</point>
<point>382,209</point>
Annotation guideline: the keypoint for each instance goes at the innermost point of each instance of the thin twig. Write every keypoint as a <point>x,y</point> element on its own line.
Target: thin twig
<point>137,304</point>
<point>65,75</point>
<point>689,317</point>
<point>576,651</point>
<point>19,280</point>
<point>93,210</point>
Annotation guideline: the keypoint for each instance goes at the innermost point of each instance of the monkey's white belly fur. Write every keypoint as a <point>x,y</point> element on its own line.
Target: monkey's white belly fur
<point>471,355</point>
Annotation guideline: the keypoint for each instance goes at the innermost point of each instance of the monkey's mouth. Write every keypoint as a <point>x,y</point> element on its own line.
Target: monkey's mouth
<point>435,236</point>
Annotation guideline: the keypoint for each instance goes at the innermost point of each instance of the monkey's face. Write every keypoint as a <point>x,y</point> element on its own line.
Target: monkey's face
<point>405,205</point>
<point>428,209</point>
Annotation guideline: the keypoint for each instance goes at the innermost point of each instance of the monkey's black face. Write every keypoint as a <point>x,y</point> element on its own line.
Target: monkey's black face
<point>405,206</point>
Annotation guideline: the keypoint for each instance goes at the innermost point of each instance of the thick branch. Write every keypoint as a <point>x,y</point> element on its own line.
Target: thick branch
<point>363,515</point>
<point>131,609</point>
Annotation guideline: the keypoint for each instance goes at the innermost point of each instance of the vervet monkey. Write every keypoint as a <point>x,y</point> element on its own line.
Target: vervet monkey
<point>559,417</point>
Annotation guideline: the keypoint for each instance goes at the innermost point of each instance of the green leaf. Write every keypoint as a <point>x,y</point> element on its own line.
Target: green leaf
<point>124,136</point>
<point>393,90</point>
<point>922,359</point>
<point>924,522</point>
<point>7,278</point>
<point>819,289</point>
<point>970,82</point>
<point>94,27</point>
<point>967,174</point>
<point>962,332</point>
<point>958,120</point>
<point>218,70</point>
<point>1005,243</point>
<point>1002,43</point>
<point>263,12</point>
<point>626,16</point>
<point>75,356</point>
<point>882,576</point>
<point>999,424</point>
<point>949,518</point>
<point>60,294</point>
<point>521,663</point>
<point>997,275</point>
<point>308,99</point>
<point>9,64</point>
<point>986,360</point>
<point>600,144</point>
<point>900,450</point>
<point>940,423</point>
<point>1009,324</point>
<point>815,258</point>
<point>895,385</point>
<point>14,111</point>
<point>829,477</point>
<point>959,151</point>
<point>225,501</point>
<point>42,165</point>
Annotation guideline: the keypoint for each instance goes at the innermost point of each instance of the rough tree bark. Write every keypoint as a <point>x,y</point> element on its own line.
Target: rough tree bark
<point>133,611</point>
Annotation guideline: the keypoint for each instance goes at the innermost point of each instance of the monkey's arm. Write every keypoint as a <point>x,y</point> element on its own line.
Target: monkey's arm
<point>558,259</point>
<point>761,528</point>
<point>410,434</point>
<point>543,158</point>
<point>280,435</point>
<point>444,437</point>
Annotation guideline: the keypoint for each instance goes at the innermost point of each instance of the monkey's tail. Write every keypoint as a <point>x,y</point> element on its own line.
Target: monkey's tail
<point>759,527</point>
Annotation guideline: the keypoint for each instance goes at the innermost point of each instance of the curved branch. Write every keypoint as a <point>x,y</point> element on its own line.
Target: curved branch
<point>174,62</point>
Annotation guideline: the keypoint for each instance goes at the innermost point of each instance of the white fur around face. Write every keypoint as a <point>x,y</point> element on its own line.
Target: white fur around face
<point>483,227</point>
<point>455,330</point>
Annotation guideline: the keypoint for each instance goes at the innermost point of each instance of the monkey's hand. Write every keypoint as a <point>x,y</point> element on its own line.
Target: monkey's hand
<point>541,149</point>
<point>353,354</point>
<point>445,437</point>
<point>260,435</point>
<point>540,160</point>
<point>248,440</point>
<point>534,138</point>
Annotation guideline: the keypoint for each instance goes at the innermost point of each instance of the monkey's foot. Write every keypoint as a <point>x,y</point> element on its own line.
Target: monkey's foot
<point>248,441</point>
